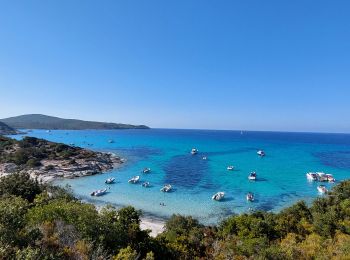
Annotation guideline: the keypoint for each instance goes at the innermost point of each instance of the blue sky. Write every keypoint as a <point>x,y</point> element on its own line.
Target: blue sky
<point>258,65</point>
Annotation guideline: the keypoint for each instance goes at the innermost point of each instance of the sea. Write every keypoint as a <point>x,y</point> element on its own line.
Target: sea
<point>280,182</point>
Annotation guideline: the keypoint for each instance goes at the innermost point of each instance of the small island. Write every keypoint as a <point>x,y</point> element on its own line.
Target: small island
<point>45,160</point>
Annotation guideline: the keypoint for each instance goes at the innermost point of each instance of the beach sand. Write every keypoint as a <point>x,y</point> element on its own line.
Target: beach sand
<point>156,226</point>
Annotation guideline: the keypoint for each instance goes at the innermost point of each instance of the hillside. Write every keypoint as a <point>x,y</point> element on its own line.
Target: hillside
<point>38,121</point>
<point>6,130</point>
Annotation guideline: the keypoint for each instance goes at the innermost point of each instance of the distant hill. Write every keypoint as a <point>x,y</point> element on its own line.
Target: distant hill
<point>38,121</point>
<point>6,130</point>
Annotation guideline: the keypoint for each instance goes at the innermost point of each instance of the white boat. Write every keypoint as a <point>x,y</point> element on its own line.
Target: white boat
<point>330,177</point>
<point>146,170</point>
<point>230,168</point>
<point>252,176</point>
<point>250,196</point>
<point>204,158</point>
<point>261,153</point>
<point>146,184</point>
<point>218,196</point>
<point>98,192</point>
<point>194,151</point>
<point>322,189</point>
<point>110,180</point>
<point>166,188</point>
<point>312,176</point>
<point>134,179</point>
<point>321,176</point>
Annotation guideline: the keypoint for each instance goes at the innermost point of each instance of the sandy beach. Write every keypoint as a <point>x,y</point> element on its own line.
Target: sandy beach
<point>156,226</point>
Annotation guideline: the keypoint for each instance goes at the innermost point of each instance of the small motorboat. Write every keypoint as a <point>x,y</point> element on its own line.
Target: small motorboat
<point>110,180</point>
<point>312,176</point>
<point>330,177</point>
<point>230,168</point>
<point>321,176</point>
<point>261,153</point>
<point>98,192</point>
<point>146,170</point>
<point>218,196</point>
<point>204,158</point>
<point>252,176</point>
<point>134,179</point>
<point>110,141</point>
<point>322,189</point>
<point>146,184</point>
<point>194,151</point>
<point>250,196</point>
<point>166,188</point>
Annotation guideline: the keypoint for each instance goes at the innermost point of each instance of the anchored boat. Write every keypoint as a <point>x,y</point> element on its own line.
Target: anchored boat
<point>218,196</point>
<point>98,192</point>
<point>166,188</point>
<point>134,179</point>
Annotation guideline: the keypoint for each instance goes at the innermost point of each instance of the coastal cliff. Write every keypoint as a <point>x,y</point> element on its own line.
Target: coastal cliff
<point>46,160</point>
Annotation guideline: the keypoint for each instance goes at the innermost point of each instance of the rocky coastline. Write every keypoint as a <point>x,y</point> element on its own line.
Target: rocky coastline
<point>78,162</point>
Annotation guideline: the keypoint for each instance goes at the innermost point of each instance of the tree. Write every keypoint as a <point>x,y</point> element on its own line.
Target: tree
<point>126,254</point>
<point>20,184</point>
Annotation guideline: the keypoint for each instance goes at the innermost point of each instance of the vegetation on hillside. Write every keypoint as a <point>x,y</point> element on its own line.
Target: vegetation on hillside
<point>44,222</point>
<point>6,130</point>
<point>30,151</point>
<point>37,121</point>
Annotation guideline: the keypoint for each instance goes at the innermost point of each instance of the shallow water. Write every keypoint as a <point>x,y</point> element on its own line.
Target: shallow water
<point>281,173</point>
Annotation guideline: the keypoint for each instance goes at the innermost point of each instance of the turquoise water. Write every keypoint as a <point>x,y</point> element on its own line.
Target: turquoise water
<point>281,173</point>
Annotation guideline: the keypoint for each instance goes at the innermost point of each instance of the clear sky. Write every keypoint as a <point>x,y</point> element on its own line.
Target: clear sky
<point>243,64</point>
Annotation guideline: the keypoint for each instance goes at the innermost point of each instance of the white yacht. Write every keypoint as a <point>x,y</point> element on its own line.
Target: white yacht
<point>134,179</point>
<point>230,168</point>
<point>261,153</point>
<point>218,196</point>
<point>252,176</point>
<point>322,189</point>
<point>110,180</point>
<point>166,188</point>
<point>194,151</point>
<point>250,196</point>
<point>204,158</point>
<point>98,192</point>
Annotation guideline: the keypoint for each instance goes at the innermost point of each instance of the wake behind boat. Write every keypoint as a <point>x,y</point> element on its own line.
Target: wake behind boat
<point>218,196</point>
<point>134,179</point>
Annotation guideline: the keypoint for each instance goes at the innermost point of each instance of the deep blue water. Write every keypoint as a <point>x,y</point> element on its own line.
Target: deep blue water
<point>281,173</point>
